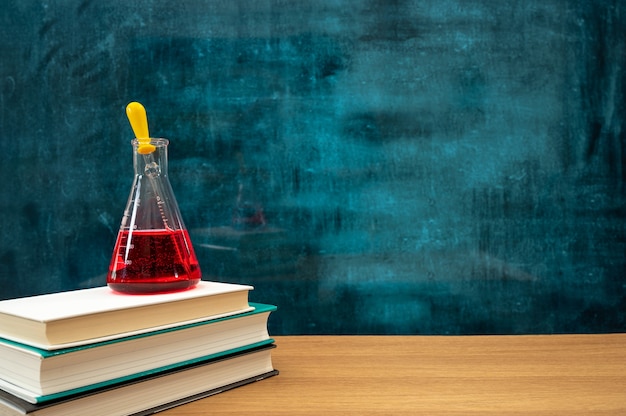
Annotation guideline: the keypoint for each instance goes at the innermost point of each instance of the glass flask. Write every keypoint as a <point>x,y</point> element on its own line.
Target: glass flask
<point>153,251</point>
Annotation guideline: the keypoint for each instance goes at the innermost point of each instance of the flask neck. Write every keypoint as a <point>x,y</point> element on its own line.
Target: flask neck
<point>152,164</point>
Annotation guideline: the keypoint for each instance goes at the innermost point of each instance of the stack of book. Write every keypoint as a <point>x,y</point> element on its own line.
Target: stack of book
<point>97,352</point>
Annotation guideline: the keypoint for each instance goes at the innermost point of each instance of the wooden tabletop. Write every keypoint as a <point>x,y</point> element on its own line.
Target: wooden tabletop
<point>434,375</point>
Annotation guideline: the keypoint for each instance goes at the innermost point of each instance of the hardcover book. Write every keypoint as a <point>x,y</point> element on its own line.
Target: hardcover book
<point>154,392</point>
<point>80,317</point>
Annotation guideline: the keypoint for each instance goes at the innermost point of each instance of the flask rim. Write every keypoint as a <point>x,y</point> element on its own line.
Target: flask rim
<point>158,142</point>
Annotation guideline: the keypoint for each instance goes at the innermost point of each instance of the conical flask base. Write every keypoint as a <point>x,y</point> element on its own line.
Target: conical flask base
<point>153,261</point>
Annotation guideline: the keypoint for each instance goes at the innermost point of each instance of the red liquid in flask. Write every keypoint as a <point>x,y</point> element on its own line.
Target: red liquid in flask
<point>151,261</point>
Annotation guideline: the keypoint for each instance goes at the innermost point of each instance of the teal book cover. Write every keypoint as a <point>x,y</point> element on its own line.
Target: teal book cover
<point>258,308</point>
<point>135,396</point>
<point>156,371</point>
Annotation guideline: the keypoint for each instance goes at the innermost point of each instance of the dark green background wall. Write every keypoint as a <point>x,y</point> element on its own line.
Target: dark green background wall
<point>424,166</point>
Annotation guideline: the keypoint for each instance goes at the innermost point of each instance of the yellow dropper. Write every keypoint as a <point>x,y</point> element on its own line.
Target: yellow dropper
<point>136,114</point>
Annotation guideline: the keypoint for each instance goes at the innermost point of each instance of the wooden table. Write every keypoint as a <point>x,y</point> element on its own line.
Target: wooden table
<point>434,375</point>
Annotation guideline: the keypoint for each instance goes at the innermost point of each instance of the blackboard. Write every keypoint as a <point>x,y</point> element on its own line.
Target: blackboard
<point>447,167</point>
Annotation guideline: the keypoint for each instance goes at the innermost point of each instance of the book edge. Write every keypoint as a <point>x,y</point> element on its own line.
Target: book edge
<point>206,394</point>
<point>45,401</point>
<point>46,351</point>
<point>147,300</point>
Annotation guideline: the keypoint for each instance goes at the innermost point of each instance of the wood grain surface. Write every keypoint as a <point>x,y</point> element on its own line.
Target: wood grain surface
<point>434,375</point>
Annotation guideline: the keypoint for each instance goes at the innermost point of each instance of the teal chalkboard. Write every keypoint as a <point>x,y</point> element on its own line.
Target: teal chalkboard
<point>413,167</point>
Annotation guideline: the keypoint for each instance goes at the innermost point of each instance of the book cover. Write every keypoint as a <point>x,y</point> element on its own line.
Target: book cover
<point>78,317</point>
<point>155,391</point>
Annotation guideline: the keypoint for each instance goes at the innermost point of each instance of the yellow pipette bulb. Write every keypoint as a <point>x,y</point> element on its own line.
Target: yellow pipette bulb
<point>136,114</point>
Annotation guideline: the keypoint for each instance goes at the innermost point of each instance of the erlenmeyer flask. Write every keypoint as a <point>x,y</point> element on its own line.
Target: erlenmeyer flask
<point>153,251</point>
